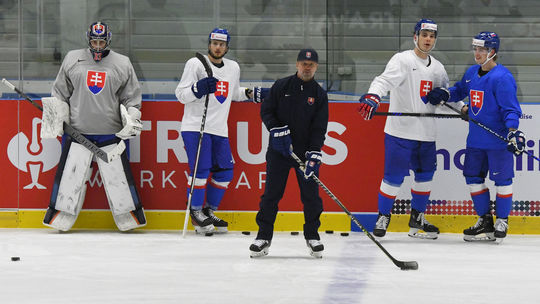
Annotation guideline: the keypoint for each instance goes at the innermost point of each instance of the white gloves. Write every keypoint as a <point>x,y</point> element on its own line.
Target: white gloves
<point>131,120</point>
<point>55,113</point>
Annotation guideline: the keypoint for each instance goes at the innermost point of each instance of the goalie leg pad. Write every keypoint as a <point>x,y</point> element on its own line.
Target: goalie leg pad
<point>69,188</point>
<point>121,193</point>
<point>72,186</point>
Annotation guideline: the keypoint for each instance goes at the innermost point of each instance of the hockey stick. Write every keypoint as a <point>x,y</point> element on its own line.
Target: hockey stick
<point>481,125</point>
<point>404,265</point>
<point>76,135</point>
<point>417,114</point>
<point>201,134</point>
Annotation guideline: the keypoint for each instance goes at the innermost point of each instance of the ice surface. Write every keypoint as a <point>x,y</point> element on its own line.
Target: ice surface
<point>163,267</point>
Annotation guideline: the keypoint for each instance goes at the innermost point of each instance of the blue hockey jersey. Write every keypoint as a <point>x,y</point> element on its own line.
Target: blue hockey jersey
<point>492,102</point>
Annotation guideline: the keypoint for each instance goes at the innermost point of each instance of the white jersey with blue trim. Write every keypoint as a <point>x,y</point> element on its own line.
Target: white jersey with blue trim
<point>227,89</point>
<point>408,77</point>
<point>94,90</point>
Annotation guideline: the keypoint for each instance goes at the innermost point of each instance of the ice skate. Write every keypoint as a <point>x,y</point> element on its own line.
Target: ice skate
<point>482,231</point>
<point>219,224</point>
<point>202,223</point>
<point>381,225</point>
<point>259,248</point>
<point>501,227</point>
<point>315,248</point>
<point>420,227</point>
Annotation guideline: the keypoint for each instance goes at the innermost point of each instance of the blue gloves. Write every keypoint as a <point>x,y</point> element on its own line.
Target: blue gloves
<point>437,96</point>
<point>517,142</point>
<point>280,140</point>
<point>204,86</point>
<point>260,94</point>
<point>313,162</point>
<point>368,105</point>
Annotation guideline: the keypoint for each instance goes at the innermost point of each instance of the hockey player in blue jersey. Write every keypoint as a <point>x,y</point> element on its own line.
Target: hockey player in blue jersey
<point>491,89</point>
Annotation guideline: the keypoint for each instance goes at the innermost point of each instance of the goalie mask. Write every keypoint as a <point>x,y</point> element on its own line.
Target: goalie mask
<point>99,39</point>
<point>425,25</point>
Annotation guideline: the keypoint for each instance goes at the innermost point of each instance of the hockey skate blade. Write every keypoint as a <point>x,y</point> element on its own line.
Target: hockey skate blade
<point>316,254</point>
<point>483,237</point>
<point>221,230</point>
<point>204,230</point>
<point>498,241</point>
<point>257,254</point>
<point>420,234</point>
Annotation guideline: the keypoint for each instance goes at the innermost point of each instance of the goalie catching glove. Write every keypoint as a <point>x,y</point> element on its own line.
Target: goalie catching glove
<point>131,120</point>
<point>516,143</point>
<point>313,162</point>
<point>55,113</point>
<point>368,105</point>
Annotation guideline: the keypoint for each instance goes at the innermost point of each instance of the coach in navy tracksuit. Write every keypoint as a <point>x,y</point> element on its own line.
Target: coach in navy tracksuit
<point>296,112</point>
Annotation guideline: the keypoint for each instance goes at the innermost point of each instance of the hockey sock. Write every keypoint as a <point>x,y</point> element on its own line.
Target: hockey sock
<point>420,195</point>
<point>218,184</point>
<point>503,201</point>
<point>198,197</point>
<point>480,198</point>
<point>199,189</point>
<point>214,194</point>
<point>387,195</point>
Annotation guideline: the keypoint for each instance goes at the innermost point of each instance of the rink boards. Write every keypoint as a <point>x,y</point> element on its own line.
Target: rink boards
<point>353,159</point>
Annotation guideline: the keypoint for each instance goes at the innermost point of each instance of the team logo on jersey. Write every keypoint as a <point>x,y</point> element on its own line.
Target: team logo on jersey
<point>425,87</point>
<point>95,81</point>
<point>477,101</point>
<point>310,100</point>
<point>222,91</point>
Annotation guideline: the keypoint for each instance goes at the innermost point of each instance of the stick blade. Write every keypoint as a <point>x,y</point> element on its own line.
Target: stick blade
<point>409,265</point>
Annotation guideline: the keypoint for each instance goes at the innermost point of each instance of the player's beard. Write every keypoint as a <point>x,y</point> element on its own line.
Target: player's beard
<point>211,54</point>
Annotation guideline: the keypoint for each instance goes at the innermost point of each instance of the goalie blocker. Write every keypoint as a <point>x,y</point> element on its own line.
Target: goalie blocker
<point>74,171</point>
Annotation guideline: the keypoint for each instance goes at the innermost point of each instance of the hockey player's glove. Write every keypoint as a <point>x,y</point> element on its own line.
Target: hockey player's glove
<point>437,96</point>
<point>280,140</point>
<point>131,120</point>
<point>313,162</point>
<point>368,105</point>
<point>465,113</point>
<point>204,86</point>
<point>260,94</point>
<point>517,142</point>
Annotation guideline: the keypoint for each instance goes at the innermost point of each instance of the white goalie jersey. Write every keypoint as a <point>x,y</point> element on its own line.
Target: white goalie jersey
<point>219,104</point>
<point>408,78</point>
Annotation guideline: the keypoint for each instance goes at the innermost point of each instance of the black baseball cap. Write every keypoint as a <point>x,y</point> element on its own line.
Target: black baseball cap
<point>308,54</point>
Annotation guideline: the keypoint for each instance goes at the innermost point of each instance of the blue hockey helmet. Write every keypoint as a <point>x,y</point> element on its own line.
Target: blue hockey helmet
<point>98,31</point>
<point>219,34</point>
<point>489,40</point>
<point>425,24</point>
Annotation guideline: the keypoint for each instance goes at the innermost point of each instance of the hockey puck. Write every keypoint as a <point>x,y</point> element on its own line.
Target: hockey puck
<point>246,232</point>
<point>329,231</point>
<point>294,232</point>
<point>209,234</point>
<point>15,259</point>
<point>344,234</point>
